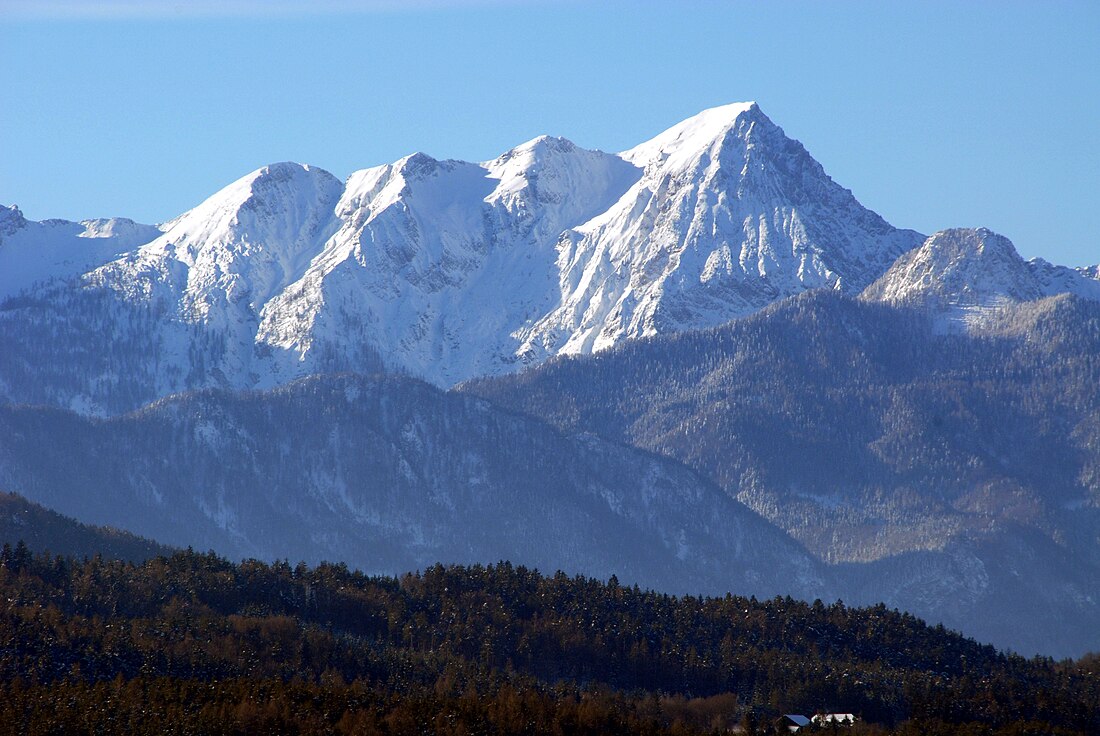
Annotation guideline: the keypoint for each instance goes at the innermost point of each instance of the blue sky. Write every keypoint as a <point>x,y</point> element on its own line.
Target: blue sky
<point>934,114</point>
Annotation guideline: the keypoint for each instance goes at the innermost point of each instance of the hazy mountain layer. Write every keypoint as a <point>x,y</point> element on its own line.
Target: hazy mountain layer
<point>869,435</point>
<point>390,475</point>
<point>43,530</point>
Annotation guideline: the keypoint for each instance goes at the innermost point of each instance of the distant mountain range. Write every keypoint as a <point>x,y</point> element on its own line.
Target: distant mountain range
<point>445,270</point>
<point>951,475</point>
<point>392,474</point>
<point>837,407</point>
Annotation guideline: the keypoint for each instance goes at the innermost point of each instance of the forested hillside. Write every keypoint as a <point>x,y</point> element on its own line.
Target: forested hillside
<point>193,643</point>
<point>42,529</point>
<point>390,474</point>
<point>873,438</point>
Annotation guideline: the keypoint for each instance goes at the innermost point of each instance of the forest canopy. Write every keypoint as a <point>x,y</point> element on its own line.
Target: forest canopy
<point>192,643</point>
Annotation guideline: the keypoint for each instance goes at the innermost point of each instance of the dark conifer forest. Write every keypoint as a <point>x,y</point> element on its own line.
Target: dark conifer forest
<point>194,644</point>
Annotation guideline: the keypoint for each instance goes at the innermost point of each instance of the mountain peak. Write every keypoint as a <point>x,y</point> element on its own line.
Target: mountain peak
<point>691,136</point>
<point>966,275</point>
<point>544,144</point>
<point>416,164</point>
<point>728,215</point>
<point>11,218</point>
<point>266,188</point>
<point>283,168</point>
<point>531,155</point>
<point>971,267</point>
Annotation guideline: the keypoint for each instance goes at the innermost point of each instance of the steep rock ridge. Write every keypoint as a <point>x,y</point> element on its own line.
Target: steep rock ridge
<point>394,475</point>
<point>1084,281</point>
<point>966,277</point>
<point>729,216</point>
<point>218,264</point>
<point>437,262</point>
<point>448,270</point>
<point>35,252</point>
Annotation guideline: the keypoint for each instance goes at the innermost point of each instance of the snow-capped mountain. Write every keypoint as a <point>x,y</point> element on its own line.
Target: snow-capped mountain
<point>217,265</point>
<point>438,263</point>
<point>449,270</point>
<point>813,411</point>
<point>964,277</point>
<point>728,216</point>
<point>33,252</point>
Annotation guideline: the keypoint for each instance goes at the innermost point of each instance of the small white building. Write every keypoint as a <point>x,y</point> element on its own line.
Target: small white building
<point>844,719</point>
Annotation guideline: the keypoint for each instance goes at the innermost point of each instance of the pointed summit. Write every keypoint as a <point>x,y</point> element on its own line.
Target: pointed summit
<point>728,216</point>
<point>268,191</point>
<point>570,183</point>
<point>538,147</point>
<point>960,266</point>
<point>221,261</point>
<point>690,138</point>
<point>962,275</point>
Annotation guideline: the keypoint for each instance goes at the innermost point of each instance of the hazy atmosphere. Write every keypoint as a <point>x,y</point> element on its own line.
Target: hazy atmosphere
<point>596,368</point>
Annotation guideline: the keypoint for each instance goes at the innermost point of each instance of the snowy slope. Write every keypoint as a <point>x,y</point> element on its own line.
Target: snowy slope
<point>34,252</point>
<point>728,216</point>
<point>447,269</point>
<point>964,277</point>
<point>218,264</point>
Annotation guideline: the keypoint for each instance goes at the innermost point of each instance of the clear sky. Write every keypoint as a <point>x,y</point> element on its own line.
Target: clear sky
<point>935,114</point>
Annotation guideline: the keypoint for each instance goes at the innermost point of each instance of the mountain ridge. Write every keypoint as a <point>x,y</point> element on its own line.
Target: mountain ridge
<point>966,276</point>
<point>449,270</point>
<point>905,406</point>
<point>394,475</point>
<point>964,462</point>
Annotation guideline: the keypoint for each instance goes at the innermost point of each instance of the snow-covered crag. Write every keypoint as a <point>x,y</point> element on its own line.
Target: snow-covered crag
<point>35,252</point>
<point>728,216</point>
<point>442,269</point>
<point>217,265</point>
<point>438,263</point>
<point>967,278</point>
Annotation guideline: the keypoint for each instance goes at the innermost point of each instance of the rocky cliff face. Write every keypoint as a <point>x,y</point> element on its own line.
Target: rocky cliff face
<point>968,278</point>
<point>445,269</point>
<point>728,216</point>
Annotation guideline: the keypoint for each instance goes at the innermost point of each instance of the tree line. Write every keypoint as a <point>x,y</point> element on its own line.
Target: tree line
<point>191,643</point>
